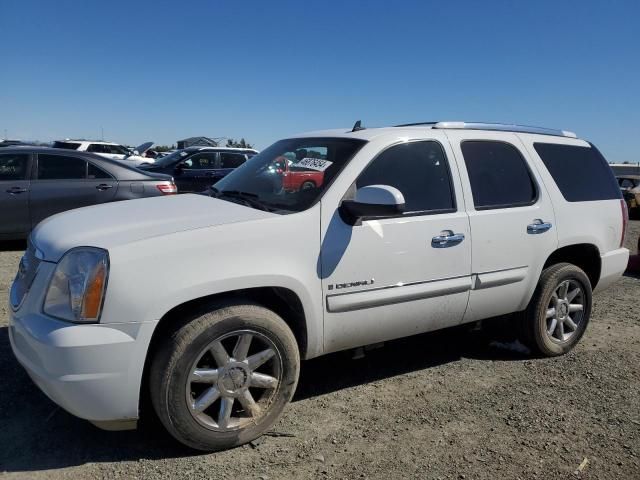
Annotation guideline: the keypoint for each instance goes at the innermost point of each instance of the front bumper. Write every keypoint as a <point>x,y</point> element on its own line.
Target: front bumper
<point>92,371</point>
<point>612,266</point>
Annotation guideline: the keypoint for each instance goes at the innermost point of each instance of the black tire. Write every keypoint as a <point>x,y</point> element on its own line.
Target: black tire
<point>534,324</point>
<point>182,348</point>
<point>307,186</point>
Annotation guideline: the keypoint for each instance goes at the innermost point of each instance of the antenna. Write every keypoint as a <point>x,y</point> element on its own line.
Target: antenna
<point>357,126</point>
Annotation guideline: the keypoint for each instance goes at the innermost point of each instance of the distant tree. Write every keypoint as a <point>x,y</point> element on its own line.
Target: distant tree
<point>163,148</point>
<point>241,144</point>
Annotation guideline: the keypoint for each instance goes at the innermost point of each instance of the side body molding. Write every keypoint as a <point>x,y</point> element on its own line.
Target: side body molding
<point>377,297</point>
<point>499,278</point>
<point>389,295</point>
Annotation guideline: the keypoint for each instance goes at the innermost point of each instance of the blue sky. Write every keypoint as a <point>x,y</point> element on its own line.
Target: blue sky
<point>266,69</point>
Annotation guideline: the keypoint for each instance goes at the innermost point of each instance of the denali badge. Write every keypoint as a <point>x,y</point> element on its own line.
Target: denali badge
<point>362,283</point>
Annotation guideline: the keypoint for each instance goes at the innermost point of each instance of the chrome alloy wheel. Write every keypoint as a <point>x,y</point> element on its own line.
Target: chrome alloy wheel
<point>225,391</point>
<point>565,311</point>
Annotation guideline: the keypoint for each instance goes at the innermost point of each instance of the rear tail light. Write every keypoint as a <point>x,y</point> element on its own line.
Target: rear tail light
<point>168,188</point>
<point>625,220</point>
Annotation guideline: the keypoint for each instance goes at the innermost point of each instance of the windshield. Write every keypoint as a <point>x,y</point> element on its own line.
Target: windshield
<point>172,158</point>
<point>291,174</point>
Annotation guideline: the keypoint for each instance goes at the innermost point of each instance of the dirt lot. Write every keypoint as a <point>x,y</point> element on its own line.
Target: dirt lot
<point>443,405</point>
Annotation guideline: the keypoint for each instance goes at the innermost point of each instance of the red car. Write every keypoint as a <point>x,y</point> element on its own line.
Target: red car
<point>295,178</point>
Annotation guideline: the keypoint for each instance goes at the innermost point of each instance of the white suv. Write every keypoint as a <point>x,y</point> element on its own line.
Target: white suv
<point>109,150</point>
<point>207,304</point>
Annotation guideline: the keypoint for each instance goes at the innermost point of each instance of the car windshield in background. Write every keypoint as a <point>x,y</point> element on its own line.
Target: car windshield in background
<point>172,158</point>
<point>290,175</point>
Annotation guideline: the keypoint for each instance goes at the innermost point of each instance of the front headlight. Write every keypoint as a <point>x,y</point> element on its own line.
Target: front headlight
<point>78,284</point>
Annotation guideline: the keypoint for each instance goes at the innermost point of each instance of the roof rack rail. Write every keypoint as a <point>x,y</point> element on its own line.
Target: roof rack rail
<point>417,124</point>
<point>504,127</point>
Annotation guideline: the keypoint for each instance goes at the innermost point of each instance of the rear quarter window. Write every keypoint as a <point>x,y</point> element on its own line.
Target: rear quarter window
<point>581,173</point>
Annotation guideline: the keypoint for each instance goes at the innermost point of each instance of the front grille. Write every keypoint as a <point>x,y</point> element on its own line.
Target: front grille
<point>27,270</point>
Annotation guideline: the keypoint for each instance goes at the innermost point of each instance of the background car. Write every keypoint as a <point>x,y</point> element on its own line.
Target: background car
<point>634,262</point>
<point>296,177</point>
<point>630,187</point>
<point>195,169</point>
<point>36,182</point>
<point>110,150</point>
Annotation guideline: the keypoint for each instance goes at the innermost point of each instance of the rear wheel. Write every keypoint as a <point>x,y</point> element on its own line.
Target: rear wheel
<point>224,378</point>
<point>559,311</point>
<point>308,186</point>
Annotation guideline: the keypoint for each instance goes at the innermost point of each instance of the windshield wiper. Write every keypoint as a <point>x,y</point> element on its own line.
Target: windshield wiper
<point>250,199</point>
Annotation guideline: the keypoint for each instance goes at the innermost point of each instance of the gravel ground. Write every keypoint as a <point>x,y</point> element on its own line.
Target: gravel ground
<point>445,405</point>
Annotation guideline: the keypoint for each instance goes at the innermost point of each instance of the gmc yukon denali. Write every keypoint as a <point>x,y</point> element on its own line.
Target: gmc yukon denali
<point>206,304</point>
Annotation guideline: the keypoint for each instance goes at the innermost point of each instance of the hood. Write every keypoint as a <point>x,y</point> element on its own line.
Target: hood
<point>141,149</point>
<point>118,223</point>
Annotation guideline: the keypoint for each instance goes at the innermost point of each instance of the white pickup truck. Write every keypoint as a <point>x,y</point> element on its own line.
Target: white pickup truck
<point>208,303</point>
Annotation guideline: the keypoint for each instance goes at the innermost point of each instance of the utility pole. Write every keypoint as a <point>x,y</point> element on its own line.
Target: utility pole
<point>102,133</point>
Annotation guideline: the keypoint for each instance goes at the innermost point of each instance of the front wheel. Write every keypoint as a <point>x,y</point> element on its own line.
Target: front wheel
<point>225,377</point>
<point>558,313</point>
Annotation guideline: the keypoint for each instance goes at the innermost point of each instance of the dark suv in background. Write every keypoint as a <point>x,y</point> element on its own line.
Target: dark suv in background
<point>195,169</point>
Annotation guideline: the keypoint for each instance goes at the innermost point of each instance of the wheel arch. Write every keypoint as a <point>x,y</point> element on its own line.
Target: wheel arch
<point>283,301</point>
<point>583,255</point>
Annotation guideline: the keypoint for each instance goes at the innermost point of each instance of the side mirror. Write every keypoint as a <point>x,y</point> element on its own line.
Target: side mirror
<point>372,201</point>
<point>182,164</point>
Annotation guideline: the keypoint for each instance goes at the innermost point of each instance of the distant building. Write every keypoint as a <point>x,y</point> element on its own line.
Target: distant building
<point>196,142</point>
<point>625,168</point>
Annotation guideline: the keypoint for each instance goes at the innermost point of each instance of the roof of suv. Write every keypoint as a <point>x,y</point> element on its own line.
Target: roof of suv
<point>98,142</point>
<point>370,133</point>
<point>121,170</point>
<point>196,148</point>
<point>61,151</point>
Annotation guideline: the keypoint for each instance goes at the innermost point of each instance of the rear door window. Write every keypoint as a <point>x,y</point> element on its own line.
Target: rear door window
<point>13,166</point>
<point>59,167</point>
<point>232,160</point>
<point>581,173</point>
<point>499,175</point>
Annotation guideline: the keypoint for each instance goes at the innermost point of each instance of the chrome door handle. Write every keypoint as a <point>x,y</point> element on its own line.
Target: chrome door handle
<point>447,239</point>
<point>104,186</point>
<point>538,226</point>
<point>16,190</point>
